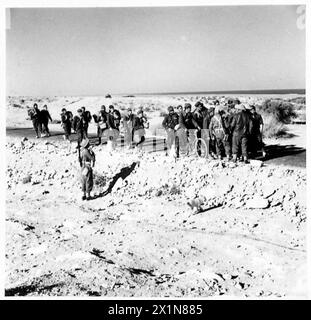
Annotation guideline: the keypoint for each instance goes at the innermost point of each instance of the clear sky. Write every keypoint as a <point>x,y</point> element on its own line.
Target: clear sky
<point>94,51</point>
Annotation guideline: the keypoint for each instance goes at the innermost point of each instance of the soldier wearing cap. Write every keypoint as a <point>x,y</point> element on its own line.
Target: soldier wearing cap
<point>66,123</point>
<point>35,115</point>
<point>79,126</point>
<point>45,117</point>
<point>241,127</point>
<point>169,123</point>
<point>190,123</point>
<point>202,117</point>
<point>139,126</point>
<point>102,125</point>
<point>87,119</point>
<point>88,161</point>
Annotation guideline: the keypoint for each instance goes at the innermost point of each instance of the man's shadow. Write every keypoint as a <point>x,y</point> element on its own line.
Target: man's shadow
<point>124,173</point>
<point>279,151</point>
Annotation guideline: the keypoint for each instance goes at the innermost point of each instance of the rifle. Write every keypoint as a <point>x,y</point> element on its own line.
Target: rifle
<point>79,155</point>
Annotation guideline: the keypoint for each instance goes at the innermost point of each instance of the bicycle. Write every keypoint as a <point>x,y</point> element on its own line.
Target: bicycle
<point>196,146</point>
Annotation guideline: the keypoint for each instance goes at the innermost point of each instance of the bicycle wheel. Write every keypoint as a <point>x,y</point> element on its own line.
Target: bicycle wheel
<point>201,148</point>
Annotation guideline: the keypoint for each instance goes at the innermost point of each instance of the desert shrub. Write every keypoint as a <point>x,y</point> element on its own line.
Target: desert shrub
<point>276,114</point>
<point>298,100</point>
<point>282,111</point>
<point>272,127</point>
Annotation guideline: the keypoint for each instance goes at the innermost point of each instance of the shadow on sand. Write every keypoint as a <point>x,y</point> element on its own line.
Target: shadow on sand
<point>289,155</point>
<point>278,151</point>
<point>124,173</point>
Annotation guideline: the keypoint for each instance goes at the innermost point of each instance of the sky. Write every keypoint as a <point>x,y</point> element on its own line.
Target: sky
<point>95,51</point>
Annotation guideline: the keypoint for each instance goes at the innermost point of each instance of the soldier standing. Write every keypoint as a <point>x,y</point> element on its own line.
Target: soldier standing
<point>169,123</point>
<point>35,117</point>
<point>241,126</point>
<point>128,124</point>
<point>219,133</point>
<point>45,118</point>
<point>79,126</point>
<point>88,162</point>
<point>139,129</point>
<point>102,125</point>
<point>257,131</point>
<point>87,119</point>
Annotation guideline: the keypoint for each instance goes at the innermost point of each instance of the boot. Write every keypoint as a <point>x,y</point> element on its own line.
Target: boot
<point>246,160</point>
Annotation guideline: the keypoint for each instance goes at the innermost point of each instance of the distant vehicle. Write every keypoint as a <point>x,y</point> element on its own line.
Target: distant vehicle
<point>108,96</point>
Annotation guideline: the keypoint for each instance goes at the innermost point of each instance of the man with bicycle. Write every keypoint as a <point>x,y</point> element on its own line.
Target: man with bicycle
<point>202,118</point>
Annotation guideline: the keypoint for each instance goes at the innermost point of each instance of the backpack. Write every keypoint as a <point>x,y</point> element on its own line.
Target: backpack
<point>218,128</point>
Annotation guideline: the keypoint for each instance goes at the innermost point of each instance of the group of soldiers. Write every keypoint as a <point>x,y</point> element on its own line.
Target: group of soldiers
<point>40,120</point>
<point>108,125</point>
<point>232,129</point>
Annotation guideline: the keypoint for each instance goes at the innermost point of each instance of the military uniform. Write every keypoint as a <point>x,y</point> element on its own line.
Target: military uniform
<point>256,136</point>
<point>128,124</point>
<point>87,119</point>
<point>87,181</point>
<point>241,127</point>
<point>79,128</point>
<point>45,117</point>
<point>169,123</point>
<point>139,130</point>
<point>218,130</point>
<point>35,117</point>
<point>66,123</point>
<point>102,125</point>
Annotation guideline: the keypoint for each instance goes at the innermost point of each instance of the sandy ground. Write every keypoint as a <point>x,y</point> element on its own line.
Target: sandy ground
<point>139,236</point>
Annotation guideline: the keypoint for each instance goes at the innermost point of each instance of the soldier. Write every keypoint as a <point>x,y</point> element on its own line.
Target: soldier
<point>88,162</point>
<point>128,124</point>
<point>257,131</point>
<point>45,117</point>
<point>35,116</point>
<point>102,125</point>
<point>87,119</point>
<point>66,123</point>
<point>191,125</point>
<point>219,133</point>
<point>139,129</point>
<point>111,109</point>
<point>79,126</point>
<point>181,133</point>
<point>169,123</point>
<point>241,126</point>
<point>202,118</point>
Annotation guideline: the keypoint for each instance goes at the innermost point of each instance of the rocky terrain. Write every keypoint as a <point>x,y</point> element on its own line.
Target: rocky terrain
<point>155,228</point>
